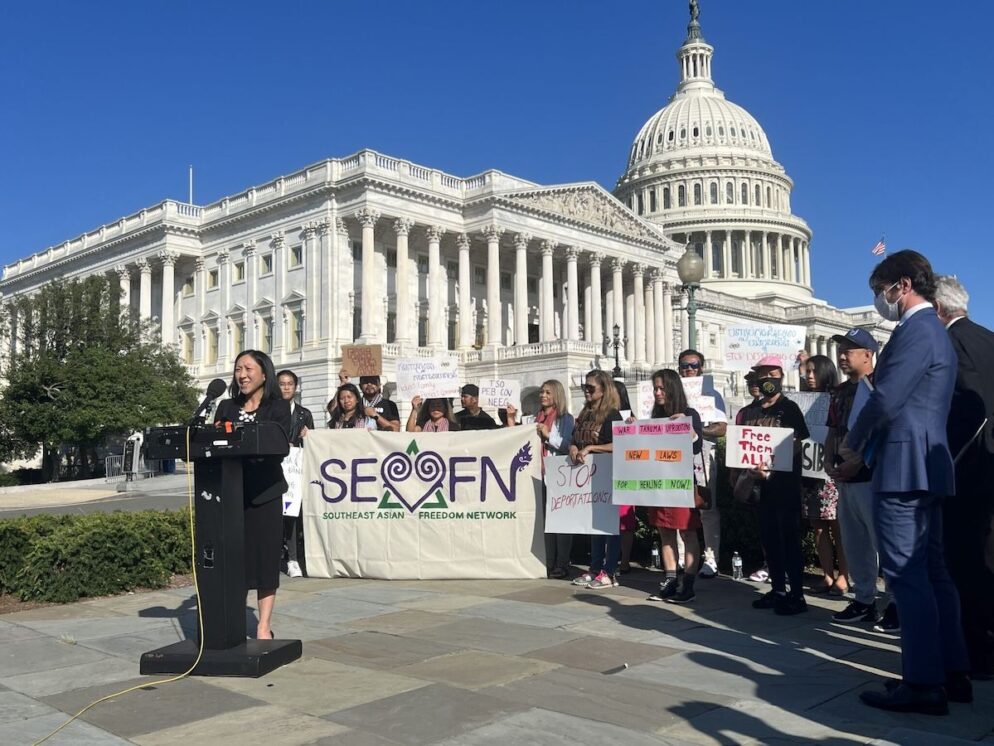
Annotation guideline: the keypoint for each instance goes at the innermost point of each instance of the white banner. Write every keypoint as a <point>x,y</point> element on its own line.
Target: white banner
<point>430,378</point>
<point>578,496</point>
<point>745,344</point>
<point>749,447</point>
<point>423,505</point>
<point>292,471</point>
<point>497,393</point>
<point>814,407</point>
<point>653,463</point>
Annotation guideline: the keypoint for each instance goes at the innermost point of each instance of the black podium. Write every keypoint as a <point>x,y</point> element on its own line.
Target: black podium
<point>219,541</point>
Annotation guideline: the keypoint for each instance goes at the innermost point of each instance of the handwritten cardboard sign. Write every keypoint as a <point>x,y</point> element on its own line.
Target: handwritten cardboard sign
<point>699,391</point>
<point>292,472</point>
<point>434,377</point>
<point>645,400</point>
<point>497,393</point>
<point>578,496</point>
<point>745,344</point>
<point>653,462</point>
<point>814,407</point>
<point>362,360</point>
<point>749,447</point>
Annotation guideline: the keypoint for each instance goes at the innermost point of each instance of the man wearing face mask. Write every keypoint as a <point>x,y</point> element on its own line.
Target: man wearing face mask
<point>779,508</point>
<point>900,433</point>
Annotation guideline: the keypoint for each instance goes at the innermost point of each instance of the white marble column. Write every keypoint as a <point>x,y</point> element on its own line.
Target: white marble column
<point>572,293</point>
<point>124,277</point>
<point>402,283</point>
<point>492,234</point>
<point>466,331</point>
<point>547,306</point>
<point>618,297</point>
<point>145,289</point>
<point>638,328</point>
<point>708,257</point>
<point>277,241</point>
<point>251,278</point>
<point>726,257</point>
<point>367,219</point>
<point>224,294</point>
<point>807,263</point>
<point>344,276</point>
<point>649,306</point>
<point>587,321</point>
<point>312,277</point>
<point>596,312</point>
<point>167,316</point>
<point>325,270</point>
<point>436,340</point>
<point>669,352</point>
<point>521,241</point>
<point>659,315</point>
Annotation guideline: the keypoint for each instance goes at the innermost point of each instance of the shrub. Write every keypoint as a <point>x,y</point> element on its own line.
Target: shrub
<point>8,480</point>
<point>101,553</point>
<point>17,537</point>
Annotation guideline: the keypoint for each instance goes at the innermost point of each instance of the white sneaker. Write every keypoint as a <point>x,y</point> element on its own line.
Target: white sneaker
<point>709,567</point>
<point>293,569</point>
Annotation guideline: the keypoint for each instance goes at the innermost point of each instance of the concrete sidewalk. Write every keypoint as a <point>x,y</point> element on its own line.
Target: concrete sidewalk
<point>472,662</point>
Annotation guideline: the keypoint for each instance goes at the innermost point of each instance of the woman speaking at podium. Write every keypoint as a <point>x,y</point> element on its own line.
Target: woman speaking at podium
<point>255,397</point>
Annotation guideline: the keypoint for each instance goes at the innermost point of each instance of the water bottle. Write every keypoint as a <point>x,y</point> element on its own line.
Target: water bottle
<point>736,566</point>
<point>655,555</point>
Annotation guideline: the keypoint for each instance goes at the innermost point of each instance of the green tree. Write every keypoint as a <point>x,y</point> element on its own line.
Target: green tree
<point>84,370</point>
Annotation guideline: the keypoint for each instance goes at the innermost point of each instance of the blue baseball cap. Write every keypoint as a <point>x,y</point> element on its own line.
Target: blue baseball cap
<point>857,338</point>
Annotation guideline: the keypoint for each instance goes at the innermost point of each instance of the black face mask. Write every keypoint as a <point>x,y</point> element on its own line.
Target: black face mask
<point>770,387</point>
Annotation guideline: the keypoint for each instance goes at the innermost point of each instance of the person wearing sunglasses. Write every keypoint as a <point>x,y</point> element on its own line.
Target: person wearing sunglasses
<point>691,364</point>
<point>592,434</point>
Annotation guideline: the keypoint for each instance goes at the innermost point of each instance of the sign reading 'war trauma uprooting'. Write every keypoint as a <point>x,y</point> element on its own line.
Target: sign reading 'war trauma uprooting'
<point>430,378</point>
<point>748,447</point>
<point>578,496</point>
<point>745,344</point>
<point>653,463</point>
<point>425,505</point>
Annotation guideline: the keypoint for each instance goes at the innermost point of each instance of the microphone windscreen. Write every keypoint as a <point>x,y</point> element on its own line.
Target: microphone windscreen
<point>216,388</point>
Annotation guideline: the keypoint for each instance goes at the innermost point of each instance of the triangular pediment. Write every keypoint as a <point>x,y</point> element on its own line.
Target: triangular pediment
<point>292,298</point>
<point>236,309</point>
<point>210,316</point>
<point>587,203</point>
<point>264,304</point>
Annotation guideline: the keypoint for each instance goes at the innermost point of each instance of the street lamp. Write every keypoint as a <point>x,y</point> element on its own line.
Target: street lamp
<point>690,268</point>
<point>616,343</point>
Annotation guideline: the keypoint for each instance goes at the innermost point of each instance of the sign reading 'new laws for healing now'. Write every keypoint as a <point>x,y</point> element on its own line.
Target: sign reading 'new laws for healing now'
<point>748,447</point>
<point>653,463</point>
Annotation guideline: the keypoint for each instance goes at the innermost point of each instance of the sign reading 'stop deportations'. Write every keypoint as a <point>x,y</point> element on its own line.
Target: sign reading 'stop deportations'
<point>653,463</point>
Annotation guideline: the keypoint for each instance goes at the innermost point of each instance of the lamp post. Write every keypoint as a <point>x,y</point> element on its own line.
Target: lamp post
<point>616,343</point>
<point>690,268</point>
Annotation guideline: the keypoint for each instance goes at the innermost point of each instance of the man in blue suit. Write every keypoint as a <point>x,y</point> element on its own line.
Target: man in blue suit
<point>901,433</point>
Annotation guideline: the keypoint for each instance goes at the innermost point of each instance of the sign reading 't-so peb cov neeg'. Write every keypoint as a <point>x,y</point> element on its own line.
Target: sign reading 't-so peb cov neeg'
<point>653,463</point>
<point>423,506</point>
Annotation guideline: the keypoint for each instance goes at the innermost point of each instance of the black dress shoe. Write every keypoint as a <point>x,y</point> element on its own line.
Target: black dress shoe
<point>958,688</point>
<point>902,698</point>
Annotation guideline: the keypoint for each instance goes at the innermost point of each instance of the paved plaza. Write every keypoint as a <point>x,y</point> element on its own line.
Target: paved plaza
<point>468,663</point>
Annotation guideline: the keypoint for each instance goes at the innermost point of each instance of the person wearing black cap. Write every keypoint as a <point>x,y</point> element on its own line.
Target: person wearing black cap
<point>471,417</point>
<point>378,408</point>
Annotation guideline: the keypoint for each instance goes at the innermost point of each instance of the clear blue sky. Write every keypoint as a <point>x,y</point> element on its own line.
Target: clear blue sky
<point>880,111</point>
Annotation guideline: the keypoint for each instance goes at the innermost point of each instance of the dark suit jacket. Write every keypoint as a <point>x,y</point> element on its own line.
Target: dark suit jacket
<point>973,398</point>
<point>902,428</point>
<point>300,418</point>
<point>262,478</point>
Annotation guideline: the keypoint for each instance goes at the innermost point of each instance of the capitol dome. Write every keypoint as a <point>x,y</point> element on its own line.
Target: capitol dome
<point>702,168</point>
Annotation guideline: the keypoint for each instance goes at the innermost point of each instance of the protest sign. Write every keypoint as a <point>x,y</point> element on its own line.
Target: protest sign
<point>433,377</point>
<point>699,391</point>
<point>497,393</point>
<point>645,400</point>
<point>749,447</point>
<point>423,505</point>
<point>653,463</point>
<point>745,344</point>
<point>814,407</point>
<point>578,496</point>
<point>362,360</point>
<point>292,470</point>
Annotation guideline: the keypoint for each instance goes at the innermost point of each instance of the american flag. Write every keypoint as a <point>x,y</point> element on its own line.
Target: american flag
<point>880,248</point>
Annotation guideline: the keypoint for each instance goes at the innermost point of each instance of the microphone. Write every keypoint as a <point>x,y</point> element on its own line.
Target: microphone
<point>214,389</point>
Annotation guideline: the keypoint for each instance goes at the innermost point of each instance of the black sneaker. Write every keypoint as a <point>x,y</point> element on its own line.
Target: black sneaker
<point>767,601</point>
<point>856,613</point>
<point>790,604</point>
<point>667,590</point>
<point>889,623</point>
<point>686,594</point>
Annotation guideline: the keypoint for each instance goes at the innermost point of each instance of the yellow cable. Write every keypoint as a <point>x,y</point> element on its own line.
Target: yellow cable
<point>200,612</point>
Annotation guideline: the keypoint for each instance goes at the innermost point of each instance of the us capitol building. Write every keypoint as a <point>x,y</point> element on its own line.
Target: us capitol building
<point>519,280</point>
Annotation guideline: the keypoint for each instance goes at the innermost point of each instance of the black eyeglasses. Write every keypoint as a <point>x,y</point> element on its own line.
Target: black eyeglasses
<point>588,388</point>
<point>690,366</point>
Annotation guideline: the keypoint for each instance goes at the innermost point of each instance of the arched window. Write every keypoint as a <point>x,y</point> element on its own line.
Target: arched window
<point>652,200</point>
<point>730,193</point>
<point>731,131</point>
<point>769,197</point>
<point>697,194</point>
<point>759,197</point>
<point>666,198</point>
<point>708,131</point>
<point>721,130</point>
<point>681,196</point>
<point>670,136</point>
<point>683,134</point>
<point>745,194</point>
<point>697,131</point>
<point>714,192</point>
<point>641,203</point>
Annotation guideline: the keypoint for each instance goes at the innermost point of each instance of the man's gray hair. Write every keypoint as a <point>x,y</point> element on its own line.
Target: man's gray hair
<point>949,291</point>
